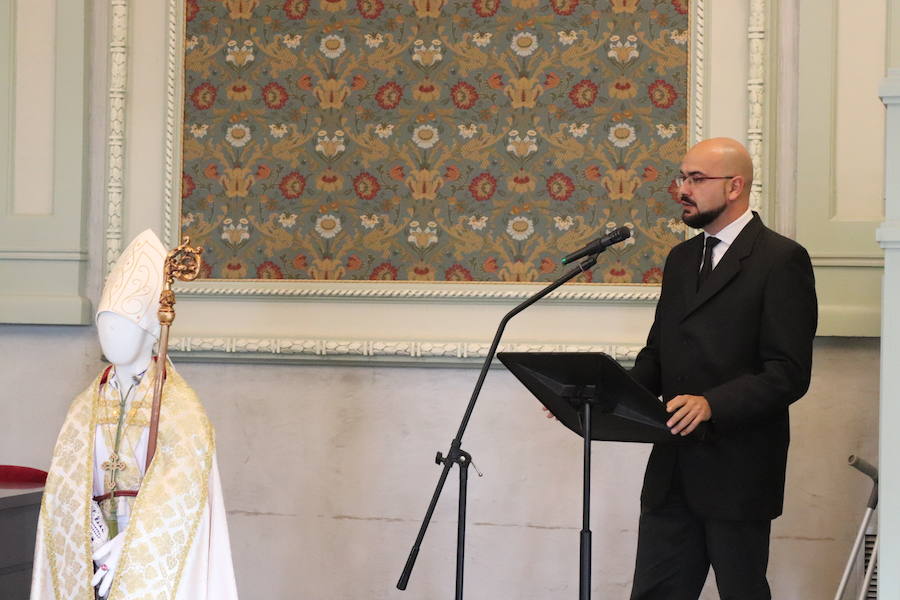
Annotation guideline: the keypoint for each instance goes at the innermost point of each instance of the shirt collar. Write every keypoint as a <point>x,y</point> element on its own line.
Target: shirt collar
<point>730,232</point>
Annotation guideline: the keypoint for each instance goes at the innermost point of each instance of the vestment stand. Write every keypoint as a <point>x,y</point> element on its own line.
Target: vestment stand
<point>456,455</point>
<point>591,394</point>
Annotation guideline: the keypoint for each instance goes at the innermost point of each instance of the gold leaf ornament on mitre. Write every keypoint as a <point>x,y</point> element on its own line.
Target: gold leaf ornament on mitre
<point>133,287</point>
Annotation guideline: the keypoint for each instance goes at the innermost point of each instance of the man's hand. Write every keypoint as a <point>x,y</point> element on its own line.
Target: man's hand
<point>689,411</point>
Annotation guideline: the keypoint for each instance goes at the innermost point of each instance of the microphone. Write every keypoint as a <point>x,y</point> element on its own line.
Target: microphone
<point>597,246</point>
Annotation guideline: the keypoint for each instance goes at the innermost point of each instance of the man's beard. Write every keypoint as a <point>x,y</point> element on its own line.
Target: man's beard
<point>703,218</point>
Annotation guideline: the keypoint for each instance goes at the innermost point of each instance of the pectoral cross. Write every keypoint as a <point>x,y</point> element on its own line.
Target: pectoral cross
<point>113,464</point>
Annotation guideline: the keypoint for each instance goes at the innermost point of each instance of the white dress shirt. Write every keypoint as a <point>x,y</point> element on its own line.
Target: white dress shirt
<point>727,236</point>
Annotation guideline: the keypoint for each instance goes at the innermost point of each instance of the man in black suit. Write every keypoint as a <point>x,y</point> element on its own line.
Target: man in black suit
<point>731,345</point>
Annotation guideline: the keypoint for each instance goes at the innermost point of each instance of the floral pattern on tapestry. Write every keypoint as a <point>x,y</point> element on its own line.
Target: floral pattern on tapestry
<point>469,140</point>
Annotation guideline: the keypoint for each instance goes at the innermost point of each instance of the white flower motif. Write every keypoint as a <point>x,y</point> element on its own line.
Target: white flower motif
<point>521,146</point>
<point>425,136</point>
<point>520,228</point>
<point>422,237</point>
<point>622,135</point>
<point>235,233</point>
<point>199,131</point>
<point>482,39</point>
<point>191,43</point>
<point>578,131</point>
<point>666,131</point>
<point>239,55</point>
<point>287,221</point>
<point>292,41</point>
<point>328,225</point>
<point>332,46</point>
<point>278,130</point>
<point>524,43</point>
<point>563,223</point>
<point>427,56</point>
<point>369,221</point>
<point>567,38</point>
<point>477,223</point>
<point>384,131</point>
<point>467,131</point>
<point>623,52</point>
<point>238,135</point>
<point>330,147</point>
<point>679,37</point>
<point>373,41</point>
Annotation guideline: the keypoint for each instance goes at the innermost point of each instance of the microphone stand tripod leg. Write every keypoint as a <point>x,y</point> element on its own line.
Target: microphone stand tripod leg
<point>584,587</point>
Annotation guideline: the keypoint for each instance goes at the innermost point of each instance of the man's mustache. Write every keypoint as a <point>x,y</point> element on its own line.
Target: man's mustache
<point>687,200</point>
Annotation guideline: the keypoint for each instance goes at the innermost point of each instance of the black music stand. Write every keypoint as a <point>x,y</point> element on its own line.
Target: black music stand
<point>591,394</point>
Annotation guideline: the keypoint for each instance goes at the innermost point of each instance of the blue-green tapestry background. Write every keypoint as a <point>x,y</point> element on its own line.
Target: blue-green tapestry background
<point>432,139</point>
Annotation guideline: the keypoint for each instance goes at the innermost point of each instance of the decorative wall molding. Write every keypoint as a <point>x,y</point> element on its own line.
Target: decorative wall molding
<point>397,351</point>
<point>267,288</point>
<point>115,149</point>
<point>174,119</point>
<point>698,74</point>
<point>756,106</point>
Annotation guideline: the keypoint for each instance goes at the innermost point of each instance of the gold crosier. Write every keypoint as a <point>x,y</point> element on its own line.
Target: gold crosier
<point>182,263</point>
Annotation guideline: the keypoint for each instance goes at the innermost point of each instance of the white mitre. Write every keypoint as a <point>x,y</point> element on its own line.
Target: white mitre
<point>133,287</point>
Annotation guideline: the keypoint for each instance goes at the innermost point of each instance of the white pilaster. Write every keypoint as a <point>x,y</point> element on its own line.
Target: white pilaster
<point>889,454</point>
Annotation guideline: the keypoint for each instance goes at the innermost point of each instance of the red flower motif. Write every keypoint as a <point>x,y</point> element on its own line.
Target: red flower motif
<point>358,83</point>
<point>584,93</point>
<point>551,80</point>
<point>191,9</point>
<point>262,172</point>
<point>464,95</point>
<point>457,272</point>
<point>292,185</point>
<point>384,272</point>
<point>205,270</point>
<point>547,265</point>
<point>204,96</point>
<point>187,185</point>
<point>389,95</point>
<point>295,9</point>
<point>662,94</point>
<point>483,187</point>
<point>274,95</point>
<point>653,275</point>
<point>486,8</point>
<point>305,82</point>
<point>370,9</point>
<point>564,7</point>
<point>268,270</point>
<point>680,6</point>
<point>593,173</point>
<point>397,173</point>
<point>354,262</point>
<point>366,186</point>
<point>299,262</point>
<point>560,186</point>
<point>496,81</point>
<point>490,265</point>
<point>211,171</point>
<point>451,173</point>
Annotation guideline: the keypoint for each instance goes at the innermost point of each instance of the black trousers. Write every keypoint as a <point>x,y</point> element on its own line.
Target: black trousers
<point>677,547</point>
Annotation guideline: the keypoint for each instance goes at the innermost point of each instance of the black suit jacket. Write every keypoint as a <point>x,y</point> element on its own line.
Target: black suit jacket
<point>744,341</point>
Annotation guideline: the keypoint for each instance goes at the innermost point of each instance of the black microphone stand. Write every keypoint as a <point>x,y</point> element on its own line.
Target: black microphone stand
<point>456,455</point>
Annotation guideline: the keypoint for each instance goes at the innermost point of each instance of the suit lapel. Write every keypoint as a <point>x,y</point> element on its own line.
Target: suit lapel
<point>727,269</point>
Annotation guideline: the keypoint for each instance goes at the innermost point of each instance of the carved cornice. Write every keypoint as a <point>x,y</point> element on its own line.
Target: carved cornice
<point>695,114</point>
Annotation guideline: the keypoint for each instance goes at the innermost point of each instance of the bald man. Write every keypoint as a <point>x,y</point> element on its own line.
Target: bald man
<point>731,345</point>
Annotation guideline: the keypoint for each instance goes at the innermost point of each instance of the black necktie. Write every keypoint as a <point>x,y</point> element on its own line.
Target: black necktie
<point>707,267</point>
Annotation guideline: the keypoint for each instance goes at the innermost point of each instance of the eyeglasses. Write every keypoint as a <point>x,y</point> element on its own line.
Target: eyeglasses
<point>680,180</point>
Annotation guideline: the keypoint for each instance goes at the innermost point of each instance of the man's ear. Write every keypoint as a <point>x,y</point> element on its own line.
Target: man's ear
<point>736,187</point>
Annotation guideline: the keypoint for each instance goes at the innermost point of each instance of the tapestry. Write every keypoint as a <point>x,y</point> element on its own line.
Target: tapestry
<point>437,140</point>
